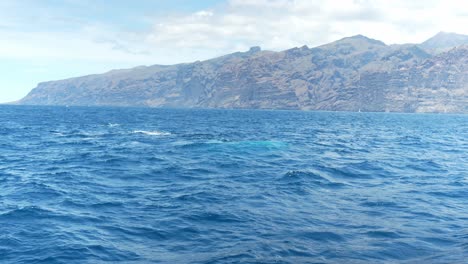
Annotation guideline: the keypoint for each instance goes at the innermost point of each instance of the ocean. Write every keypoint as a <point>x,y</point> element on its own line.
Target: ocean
<point>140,185</point>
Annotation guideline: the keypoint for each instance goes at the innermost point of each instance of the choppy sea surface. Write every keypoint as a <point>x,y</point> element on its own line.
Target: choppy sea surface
<point>130,185</point>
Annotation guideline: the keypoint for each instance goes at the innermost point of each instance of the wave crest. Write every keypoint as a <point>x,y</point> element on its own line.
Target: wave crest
<point>152,133</point>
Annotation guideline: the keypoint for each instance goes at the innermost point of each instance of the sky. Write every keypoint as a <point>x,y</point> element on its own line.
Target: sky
<point>44,40</point>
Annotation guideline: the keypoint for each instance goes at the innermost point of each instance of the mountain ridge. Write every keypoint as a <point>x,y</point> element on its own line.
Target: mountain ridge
<point>350,74</point>
<point>444,41</point>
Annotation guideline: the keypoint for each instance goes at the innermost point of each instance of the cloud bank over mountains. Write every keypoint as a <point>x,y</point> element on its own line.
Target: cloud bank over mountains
<point>48,40</point>
<point>225,27</point>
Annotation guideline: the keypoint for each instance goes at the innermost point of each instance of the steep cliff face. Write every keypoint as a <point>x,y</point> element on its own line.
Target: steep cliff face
<point>351,74</point>
<point>438,84</point>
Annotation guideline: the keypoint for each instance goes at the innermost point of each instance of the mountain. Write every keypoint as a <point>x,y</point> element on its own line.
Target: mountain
<point>352,74</point>
<point>444,41</point>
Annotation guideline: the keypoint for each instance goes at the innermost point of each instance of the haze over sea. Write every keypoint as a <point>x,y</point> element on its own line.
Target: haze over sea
<point>136,185</point>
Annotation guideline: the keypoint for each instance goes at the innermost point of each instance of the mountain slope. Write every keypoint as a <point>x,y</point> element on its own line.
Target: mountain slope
<point>444,41</point>
<point>351,74</point>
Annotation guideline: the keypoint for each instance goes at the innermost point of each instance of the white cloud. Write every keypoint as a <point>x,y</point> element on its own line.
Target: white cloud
<point>282,24</point>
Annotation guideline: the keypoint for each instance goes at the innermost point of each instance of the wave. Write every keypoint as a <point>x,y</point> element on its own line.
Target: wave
<point>308,178</point>
<point>152,133</point>
<point>234,145</point>
<point>79,134</point>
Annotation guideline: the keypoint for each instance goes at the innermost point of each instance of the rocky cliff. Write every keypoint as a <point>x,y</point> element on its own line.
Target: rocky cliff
<point>351,74</point>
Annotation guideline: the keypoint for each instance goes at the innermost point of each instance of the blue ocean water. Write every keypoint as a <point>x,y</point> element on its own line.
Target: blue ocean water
<point>130,185</point>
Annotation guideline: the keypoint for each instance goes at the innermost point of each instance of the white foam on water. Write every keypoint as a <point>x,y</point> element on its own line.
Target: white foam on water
<point>152,133</point>
<point>59,134</point>
<point>112,125</point>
